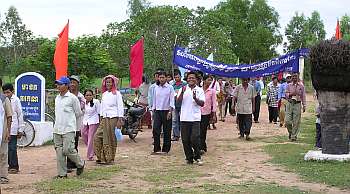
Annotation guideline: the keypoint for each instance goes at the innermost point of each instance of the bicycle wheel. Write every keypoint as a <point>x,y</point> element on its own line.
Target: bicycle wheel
<point>28,135</point>
<point>50,118</point>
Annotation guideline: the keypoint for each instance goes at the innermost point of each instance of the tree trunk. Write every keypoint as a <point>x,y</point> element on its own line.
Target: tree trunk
<point>335,121</point>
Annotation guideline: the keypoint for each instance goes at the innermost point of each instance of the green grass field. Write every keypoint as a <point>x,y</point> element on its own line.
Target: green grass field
<point>291,155</point>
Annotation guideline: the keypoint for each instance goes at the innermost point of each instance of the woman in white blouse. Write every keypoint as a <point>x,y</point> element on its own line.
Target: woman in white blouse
<point>112,113</point>
<point>91,121</point>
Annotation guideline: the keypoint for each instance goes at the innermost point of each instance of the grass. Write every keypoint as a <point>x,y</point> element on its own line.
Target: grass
<point>251,188</point>
<point>48,143</point>
<point>172,175</point>
<point>77,183</point>
<point>292,157</point>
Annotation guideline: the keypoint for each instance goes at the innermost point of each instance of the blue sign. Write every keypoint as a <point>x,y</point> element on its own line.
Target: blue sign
<point>30,89</point>
<point>284,63</point>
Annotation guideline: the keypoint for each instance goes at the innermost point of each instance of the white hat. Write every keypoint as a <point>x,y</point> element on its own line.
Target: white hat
<point>288,75</point>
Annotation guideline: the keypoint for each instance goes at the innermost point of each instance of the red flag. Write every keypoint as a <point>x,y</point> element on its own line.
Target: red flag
<point>337,31</point>
<point>136,65</point>
<point>60,59</point>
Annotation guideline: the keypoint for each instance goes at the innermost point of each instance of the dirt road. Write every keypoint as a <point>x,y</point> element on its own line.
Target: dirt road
<point>229,160</point>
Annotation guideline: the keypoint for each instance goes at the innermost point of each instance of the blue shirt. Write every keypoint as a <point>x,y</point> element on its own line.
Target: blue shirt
<point>282,91</point>
<point>150,95</point>
<point>257,87</point>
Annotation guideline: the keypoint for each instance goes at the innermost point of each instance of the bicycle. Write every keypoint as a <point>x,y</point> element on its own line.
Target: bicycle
<point>28,134</point>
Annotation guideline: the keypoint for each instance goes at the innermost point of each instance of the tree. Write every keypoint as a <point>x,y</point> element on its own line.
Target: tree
<point>159,25</point>
<point>15,37</point>
<point>135,7</point>
<point>304,32</point>
<point>252,27</point>
<point>296,33</point>
<point>345,27</point>
<point>208,36</point>
<point>315,28</point>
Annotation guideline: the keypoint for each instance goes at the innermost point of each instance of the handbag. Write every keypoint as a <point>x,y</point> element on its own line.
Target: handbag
<point>118,134</point>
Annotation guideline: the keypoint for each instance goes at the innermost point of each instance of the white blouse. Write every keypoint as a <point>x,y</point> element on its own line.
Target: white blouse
<point>112,105</point>
<point>91,115</point>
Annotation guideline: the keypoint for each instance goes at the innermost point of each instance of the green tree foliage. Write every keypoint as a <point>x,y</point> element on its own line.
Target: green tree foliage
<point>304,32</point>
<point>16,40</point>
<point>159,26</point>
<point>345,27</point>
<point>209,36</point>
<point>252,27</point>
<point>136,7</point>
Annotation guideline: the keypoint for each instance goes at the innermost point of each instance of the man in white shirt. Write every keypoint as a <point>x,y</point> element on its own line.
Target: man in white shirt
<point>162,106</point>
<point>67,110</point>
<point>16,127</point>
<point>192,98</point>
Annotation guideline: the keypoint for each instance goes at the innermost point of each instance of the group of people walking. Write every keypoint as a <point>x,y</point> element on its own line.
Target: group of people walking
<point>178,109</point>
<point>83,115</point>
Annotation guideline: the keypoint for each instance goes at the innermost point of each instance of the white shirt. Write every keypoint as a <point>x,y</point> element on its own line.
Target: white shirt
<point>17,117</point>
<point>112,105</point>
<point>2,115</point>
<point>190,110</point>
<point>91,114</point>
<point>261,86</point>
<point>216,87</point>
<point>163,97</point>
<point>67,110</point>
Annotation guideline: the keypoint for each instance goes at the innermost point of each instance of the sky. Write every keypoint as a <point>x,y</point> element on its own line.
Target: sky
<point>48,17</point>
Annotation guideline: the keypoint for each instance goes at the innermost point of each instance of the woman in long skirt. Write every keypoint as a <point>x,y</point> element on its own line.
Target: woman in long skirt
<point>112,112</point>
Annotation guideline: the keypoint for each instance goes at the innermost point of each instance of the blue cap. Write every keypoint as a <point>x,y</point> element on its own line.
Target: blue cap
<point>63,80</point>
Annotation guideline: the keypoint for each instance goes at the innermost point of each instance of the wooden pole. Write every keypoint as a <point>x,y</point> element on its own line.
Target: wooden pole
<point>172,64</point>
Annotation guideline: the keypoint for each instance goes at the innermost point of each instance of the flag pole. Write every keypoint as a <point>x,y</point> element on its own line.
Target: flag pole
<point>172,64</point>
<point>301,66</point>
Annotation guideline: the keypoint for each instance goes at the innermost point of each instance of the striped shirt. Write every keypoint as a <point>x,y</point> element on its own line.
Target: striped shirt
<point>272,94</point>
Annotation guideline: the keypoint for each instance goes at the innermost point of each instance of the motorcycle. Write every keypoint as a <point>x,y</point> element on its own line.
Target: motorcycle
<point>133,114</point>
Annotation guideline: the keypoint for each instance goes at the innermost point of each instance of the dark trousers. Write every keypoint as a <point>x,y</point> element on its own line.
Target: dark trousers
<point>12,153</point>
<point>70,163</point>
<point>228,106</point>
<point>190,135</point>
<point>273,114</point>
<point>203,132</point>
<point>161,121</point>
<point>257,107</point>
<point>318,136</point>
<point>244,124</point>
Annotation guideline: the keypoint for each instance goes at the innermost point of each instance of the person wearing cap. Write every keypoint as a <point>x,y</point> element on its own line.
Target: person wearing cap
<point>295,94</point>
<point>74,89</point>
<point>67,112</point>
<point>282,99</point>
<point>272,99</point>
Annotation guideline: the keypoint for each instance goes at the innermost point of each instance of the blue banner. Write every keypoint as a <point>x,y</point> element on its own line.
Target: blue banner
<point>284,63</point>
<point>30,89</point>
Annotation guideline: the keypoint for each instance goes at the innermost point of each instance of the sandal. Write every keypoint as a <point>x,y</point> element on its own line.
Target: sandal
<point>4,180</point>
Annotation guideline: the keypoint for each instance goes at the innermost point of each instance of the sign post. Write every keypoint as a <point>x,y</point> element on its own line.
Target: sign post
<point>30,89</point>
